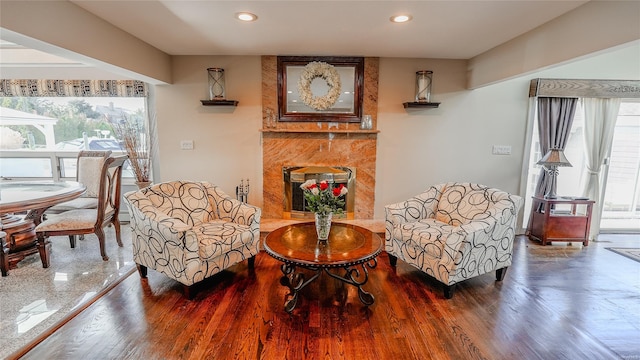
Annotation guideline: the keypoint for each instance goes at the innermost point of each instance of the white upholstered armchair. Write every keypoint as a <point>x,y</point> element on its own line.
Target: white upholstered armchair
<point>453,232</point>
<point>190,231</point>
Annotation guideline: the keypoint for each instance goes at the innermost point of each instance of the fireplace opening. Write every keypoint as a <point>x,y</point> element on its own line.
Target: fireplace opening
<point>295,206</point>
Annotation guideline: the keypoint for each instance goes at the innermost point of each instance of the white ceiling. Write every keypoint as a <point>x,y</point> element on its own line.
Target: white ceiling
<point>440,29</point>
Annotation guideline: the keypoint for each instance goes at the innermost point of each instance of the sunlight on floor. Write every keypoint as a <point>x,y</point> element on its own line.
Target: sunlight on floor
<point>33,314</point>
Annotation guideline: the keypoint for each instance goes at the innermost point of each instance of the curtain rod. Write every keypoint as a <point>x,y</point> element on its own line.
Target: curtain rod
<point>583,88</point>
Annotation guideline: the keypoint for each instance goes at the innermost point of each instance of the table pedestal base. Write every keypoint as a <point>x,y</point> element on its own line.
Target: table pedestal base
<point>296,281</point>
<point>21,237</point>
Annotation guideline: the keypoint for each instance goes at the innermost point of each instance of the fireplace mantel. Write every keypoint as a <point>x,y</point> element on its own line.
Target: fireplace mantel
<point>332,131</point>
<point>313,144</point>
<point>318,149</point>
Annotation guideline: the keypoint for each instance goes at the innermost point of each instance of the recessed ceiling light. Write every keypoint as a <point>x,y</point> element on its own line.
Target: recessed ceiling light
<point>246,16</point>
<point>400,18</point>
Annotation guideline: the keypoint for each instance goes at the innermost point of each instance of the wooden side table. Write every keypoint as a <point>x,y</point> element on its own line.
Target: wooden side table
<point>560,219</point>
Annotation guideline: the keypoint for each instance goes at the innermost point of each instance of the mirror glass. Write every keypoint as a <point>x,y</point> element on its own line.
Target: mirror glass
<point>319,87</point>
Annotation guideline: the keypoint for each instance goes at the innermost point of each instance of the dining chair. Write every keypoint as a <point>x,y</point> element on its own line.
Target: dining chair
<point>88,168</point>
<point>4,254</point>
<point>88,221</point>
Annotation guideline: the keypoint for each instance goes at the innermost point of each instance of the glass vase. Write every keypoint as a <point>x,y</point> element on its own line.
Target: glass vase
<point>143,184</point>
<point>323,226</point>
<point>366,123</point>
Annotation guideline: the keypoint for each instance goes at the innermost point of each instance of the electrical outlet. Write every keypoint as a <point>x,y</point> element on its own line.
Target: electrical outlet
<point>501,150</point>
<point>186,144</point>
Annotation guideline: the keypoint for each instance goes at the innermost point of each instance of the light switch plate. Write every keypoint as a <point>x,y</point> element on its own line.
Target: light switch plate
<point>501,150</point>
<point>186,144</point>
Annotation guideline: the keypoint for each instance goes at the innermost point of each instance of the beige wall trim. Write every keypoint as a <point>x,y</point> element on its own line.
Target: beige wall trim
<point>585,88</point>
<point>64,29</point>
<point>585,31</point>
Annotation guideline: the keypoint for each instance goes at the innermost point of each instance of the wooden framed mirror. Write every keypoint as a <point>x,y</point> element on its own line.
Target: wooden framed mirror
<point>320,88</point>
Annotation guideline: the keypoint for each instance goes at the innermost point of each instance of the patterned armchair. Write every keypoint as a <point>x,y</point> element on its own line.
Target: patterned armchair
<point>453,232</point>
<point>190,231</point>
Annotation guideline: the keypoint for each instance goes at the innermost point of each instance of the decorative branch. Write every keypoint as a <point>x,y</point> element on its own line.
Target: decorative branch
<point>137,143</point>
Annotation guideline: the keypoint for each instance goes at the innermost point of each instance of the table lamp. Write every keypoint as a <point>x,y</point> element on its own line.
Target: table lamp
<point>551,160</point>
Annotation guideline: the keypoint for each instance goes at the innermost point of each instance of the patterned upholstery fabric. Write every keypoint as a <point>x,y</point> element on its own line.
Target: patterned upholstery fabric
<point>78,203</point>
<point>89,169</point>
<point>70,220</point>
<point>90,174</point>
<point>454,231</point>
<point>191,230</point>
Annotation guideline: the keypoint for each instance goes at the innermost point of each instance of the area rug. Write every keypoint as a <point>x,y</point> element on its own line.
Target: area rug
<point>35,301</point>
<point>631,253</point>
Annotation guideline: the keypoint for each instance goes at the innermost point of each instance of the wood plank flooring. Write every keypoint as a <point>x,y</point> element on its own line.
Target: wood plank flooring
<point>556,302</point>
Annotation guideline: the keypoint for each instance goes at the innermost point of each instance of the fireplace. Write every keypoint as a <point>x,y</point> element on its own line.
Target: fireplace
<point>294,176</point>
<point>322,144</point>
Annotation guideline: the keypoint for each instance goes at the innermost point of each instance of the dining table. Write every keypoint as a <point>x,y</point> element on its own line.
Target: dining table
<point>22,205</point>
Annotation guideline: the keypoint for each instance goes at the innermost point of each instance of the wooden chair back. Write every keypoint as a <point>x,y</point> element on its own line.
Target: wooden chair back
<point>110,190</point>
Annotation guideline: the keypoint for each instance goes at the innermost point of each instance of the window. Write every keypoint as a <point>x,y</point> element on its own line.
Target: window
<point>622,193</point>
<point>41,136</point>
<point>620,175</point>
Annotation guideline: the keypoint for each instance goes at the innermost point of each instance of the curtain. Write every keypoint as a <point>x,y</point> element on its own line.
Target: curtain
<point>555,116</point>
<point>73,88</point>
<point>527,160</point>
<point>600,117</point>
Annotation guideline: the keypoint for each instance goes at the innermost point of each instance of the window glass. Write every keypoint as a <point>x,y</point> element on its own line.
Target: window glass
<point>68,167</point>
<point>18,167</point>
<point>622,192</point>
<point>63,124</point>
<point>66,123</point>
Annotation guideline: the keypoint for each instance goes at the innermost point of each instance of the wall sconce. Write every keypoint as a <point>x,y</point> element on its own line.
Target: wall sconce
<point>551,161</point>
<point>216,83</point>
<point>423,86</point>
<point>217,93</point>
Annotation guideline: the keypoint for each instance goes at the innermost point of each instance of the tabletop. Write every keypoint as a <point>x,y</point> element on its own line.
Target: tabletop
<point>347,245</point>
<point>564,199</point>
<point>26,195</point>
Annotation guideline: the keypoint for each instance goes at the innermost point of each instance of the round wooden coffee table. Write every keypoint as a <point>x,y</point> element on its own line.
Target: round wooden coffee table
<point>349,248</point>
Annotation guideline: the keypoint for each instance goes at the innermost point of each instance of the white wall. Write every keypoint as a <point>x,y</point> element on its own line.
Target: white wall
<point>64,29</point>
<point>589,28</point>
<point>415,148</point>
<point>227,139</point>
<point>453,143</point>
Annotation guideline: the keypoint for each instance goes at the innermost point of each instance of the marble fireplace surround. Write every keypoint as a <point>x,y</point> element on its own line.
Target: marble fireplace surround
<point>318,144</point>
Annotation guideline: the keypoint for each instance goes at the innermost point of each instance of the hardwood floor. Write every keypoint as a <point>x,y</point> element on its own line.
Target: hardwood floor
<point>556,302</point>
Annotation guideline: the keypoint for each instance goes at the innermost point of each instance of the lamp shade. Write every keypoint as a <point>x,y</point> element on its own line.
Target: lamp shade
<point>554,157</point>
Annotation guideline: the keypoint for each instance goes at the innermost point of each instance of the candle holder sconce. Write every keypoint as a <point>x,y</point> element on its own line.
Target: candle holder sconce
<point>422,99</point>
<point>423,86</point>
<point>216,89</point>
<point>216,83</point>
